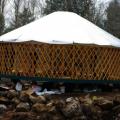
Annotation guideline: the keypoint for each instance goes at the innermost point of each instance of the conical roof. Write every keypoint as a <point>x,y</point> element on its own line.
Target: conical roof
<point>62,28</point>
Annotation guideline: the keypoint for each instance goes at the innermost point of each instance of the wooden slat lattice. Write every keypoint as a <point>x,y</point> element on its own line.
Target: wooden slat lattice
<point>78,62</point>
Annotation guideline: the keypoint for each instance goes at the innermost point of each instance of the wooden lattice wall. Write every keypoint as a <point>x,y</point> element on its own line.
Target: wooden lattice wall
<point>79,62</point>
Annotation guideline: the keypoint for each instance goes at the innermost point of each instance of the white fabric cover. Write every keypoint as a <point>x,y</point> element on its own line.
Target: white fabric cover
<point>62,28</point>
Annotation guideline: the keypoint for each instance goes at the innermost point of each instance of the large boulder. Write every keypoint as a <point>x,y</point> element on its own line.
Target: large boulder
<point>70,99</point>
<point>116,100</point>
<point>4,100</point>
<point>15,100</point>
<point>103,103</point>
<point>116,109</point>
<point>117,117</point>
<point>24,97</point>
<point>38,108</point>
<point>106,105</point>
<point>59,104</point>
<point>86,100</point>
<point>52,110</point>
<point>23,107</point>
<point>72,108</point>
<point>3,108</point>
<point>107,115</point>
<point>37,99</point>
<point>20,116</point>
<point>92,112</point>
<point>11,94</point>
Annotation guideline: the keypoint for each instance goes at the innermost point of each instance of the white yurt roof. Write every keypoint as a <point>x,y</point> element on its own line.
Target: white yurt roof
<point>62,28</point>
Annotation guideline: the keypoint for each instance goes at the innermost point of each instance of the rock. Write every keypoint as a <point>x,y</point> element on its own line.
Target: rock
<point>41,99</point>
<point>3,100</point>
<point>11,107</point>
<point>29,91</point>
<point>37,99</point>
<point>59,104</point>
<point>103,103</point>
<point>3,108</point>
<point>3,93</point>
<point>23,107</point>
<point>83,118</point>
<point>106,105</point>
<point>88,101</point>
<point>48,97</point>
<point>44,116</point>
<point>91,111</point>
<point>20,116</point>
<point>24,97</point>
<point>52,109</point>
<point>107,115</point>
<point>116,100</point>
<point>97,101</point>
<point>11,94</point>
<point>94,98</point>
<point>80,118</point>
<point>81,99</point>
<point>116,110</point>
<point>57,116</point>
<point>16,101</point>
<point>4,88</point>
<point>39,108</point>
<point>50,104</point>
<point>87,110</point>
<point>73,108</point>
<point>117,117</point>
<point>69,99</point>
<point>33,99</point>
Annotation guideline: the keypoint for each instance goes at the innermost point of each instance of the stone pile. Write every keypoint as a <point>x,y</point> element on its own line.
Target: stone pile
<point>27,106</point>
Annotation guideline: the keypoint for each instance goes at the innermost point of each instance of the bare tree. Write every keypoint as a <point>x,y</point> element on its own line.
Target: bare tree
<point>2,5</point>
<point>2,17</point>
<point>39,7</point>
<point>24,11</point>
<point>17,5</point>
<point>33,4</point>
<point>100,16</point>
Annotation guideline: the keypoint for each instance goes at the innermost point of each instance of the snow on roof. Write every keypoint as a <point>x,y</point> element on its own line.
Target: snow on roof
<point>62,28</point>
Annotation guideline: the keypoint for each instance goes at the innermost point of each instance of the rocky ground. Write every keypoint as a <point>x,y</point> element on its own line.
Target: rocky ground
<point>28,106</point>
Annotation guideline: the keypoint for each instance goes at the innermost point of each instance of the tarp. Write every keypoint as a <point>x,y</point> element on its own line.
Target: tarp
<point>62,28</point>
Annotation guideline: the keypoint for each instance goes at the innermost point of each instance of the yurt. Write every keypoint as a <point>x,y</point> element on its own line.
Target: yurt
<point>60,46</point>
